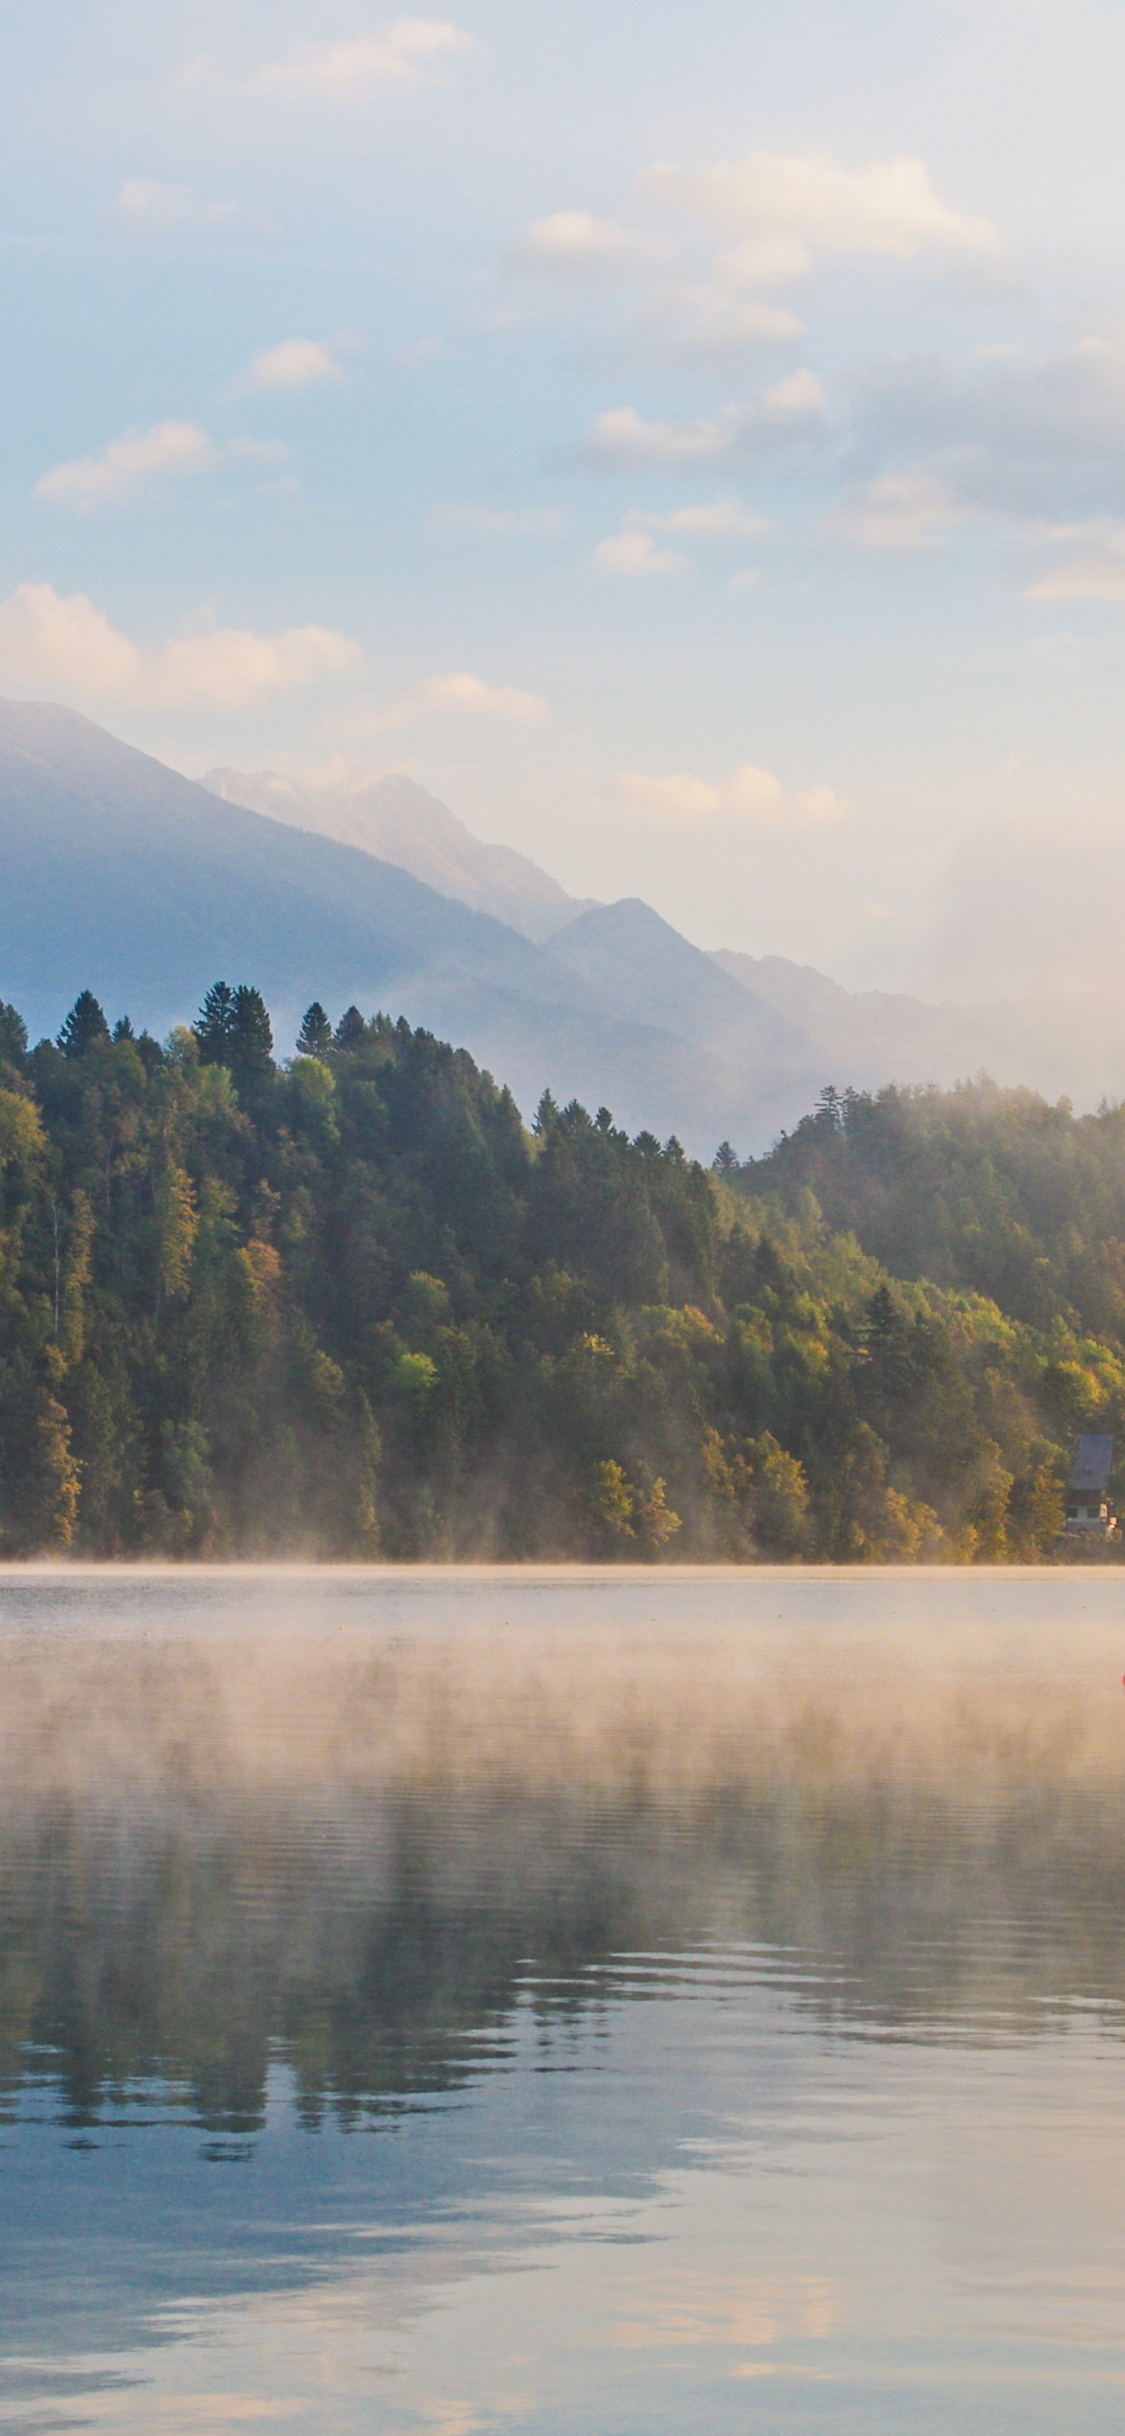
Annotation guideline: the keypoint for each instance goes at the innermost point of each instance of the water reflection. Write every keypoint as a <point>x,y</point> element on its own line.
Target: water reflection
<point>622,2001</point>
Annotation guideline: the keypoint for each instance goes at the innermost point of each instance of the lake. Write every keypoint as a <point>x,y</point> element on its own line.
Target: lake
<point>562,2003</point>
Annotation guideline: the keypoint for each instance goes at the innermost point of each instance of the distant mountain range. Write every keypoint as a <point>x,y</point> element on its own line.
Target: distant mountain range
<point>398,821</point>
<point>122,876</point>
<point>1073,1045</point>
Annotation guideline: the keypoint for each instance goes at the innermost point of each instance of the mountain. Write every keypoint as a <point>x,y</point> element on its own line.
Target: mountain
<point>402,823</point>
<point>641,968</point>
<point>1059,1045</point>
<point>123,877</point>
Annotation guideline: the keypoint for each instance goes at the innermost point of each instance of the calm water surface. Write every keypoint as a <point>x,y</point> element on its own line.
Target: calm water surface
<point>559,2004</point>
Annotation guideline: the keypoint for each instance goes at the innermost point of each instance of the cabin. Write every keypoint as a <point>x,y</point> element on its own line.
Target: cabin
<point>1087,1496</point>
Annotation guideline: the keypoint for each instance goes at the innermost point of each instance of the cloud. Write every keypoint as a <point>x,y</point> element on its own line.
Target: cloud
<point>49,642</point>
<point>751,795</point>
<point>398,54</point>
<point>1014,434</point>
<point>899,514</point>
<point>462,692</point>
<point>1090,568</point>
<point>145,207</point>
<point>792,409</point>
<point>636,553</point>
<point>783,209</point>
<point>296,363</point>
<point>127,465</point>
<point>573,245</point>
<point>706,324</point>
<point>635,549</point>
<point>706,520</point>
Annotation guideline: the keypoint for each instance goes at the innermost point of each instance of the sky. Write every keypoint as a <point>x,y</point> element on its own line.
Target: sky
<point>689,439</point>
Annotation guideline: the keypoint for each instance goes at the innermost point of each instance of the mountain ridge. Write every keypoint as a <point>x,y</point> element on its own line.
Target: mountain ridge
<point>400,822</point>
<point>125,877</point>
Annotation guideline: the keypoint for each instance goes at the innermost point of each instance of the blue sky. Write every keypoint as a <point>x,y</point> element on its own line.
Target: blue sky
<point>690,439</point>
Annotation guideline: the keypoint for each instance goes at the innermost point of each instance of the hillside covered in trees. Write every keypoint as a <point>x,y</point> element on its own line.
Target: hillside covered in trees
<point>351,1308</point>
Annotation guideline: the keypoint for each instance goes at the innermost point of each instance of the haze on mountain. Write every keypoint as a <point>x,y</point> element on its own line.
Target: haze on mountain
<point>123,876</point>
<point>645,971</point>
<point>1065,1045</point>
<point>393,817</point>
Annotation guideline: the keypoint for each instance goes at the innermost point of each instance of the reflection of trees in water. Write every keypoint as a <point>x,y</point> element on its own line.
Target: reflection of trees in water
<point>376,1943</point>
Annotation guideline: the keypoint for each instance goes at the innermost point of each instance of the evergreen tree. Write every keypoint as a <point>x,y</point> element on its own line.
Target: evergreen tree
<point>13,1036</point>
<point>251,1037</point>
<point>726,1160</point>
<point>215,1024</point>
<point>84,1025</point>
<point>350,1030</point>
<point>123,1029</point>
<point>315,1036</point>
<point>357,1308</point>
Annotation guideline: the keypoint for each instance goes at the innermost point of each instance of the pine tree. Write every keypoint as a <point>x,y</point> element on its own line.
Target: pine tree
<point>13,1036</point>
<point>726,1160</point>
<point>350,1030</point>
<point>123,1029</point>
<point>84,1025</point>
<point>214,1025</point>
<point>251,1036</point>
<point>315,1036</point>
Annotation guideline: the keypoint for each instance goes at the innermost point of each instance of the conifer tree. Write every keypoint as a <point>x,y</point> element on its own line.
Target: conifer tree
<point>84,1025</point>
<point>251,1036</point>
<point>315,1036</point>
<point>13,1036</point>
<point>252,1031</point>
<point>214,1025</point>
<point>350,1030</point>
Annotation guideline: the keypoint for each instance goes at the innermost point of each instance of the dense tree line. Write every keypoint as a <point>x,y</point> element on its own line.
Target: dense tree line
<point>349,1307</point>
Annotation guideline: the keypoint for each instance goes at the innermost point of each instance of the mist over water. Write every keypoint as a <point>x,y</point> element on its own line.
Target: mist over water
<point>562,2001</point>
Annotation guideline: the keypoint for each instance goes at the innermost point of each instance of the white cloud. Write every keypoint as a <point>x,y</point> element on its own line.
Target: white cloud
<point>751,795</point>
<point>635,550</point>
<point>705,520</point>
<point>899,514</point>
<point>706,324</point>
<point>783,209</point>
<point>146,207</point>
<point>399,53</point>
<point>296,363</point>
<point>791,409</point>
<point>66,644</point>
<point>1090,568</point>
<point>574,245</point>
<point>636,553</point>
<point>460,691</point>
<point>127,465</point>
<point>1039,437</point>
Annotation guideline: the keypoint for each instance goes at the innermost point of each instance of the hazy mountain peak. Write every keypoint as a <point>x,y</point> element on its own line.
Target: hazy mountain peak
<point>634,959</point>
<point>393,817</point>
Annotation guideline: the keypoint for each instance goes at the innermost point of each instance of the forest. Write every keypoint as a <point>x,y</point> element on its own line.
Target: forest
<point>347,1306</point>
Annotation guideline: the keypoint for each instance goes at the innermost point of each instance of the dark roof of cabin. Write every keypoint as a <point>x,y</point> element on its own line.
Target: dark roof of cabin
<point>1093,1461</point>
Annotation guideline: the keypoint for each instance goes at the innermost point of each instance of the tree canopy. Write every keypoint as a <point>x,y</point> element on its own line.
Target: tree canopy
<point>349,1305</point>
